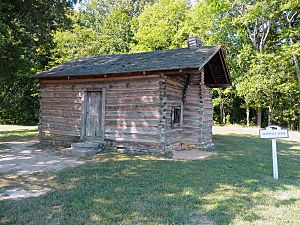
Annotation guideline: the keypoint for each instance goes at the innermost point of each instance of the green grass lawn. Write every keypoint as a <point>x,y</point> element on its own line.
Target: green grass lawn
<point>233,187</point>
<point>8,133</point>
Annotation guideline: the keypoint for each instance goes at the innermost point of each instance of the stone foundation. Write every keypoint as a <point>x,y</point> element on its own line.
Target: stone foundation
<point>186,146</point>
<point>151,149</point>
<point>127,147</point>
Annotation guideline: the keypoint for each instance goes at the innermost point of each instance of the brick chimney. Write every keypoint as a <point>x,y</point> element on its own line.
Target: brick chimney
<point>194,42</point>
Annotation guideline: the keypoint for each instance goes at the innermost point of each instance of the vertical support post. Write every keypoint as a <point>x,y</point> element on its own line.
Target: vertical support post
<point>274,156</point>
<point>162,111</point>
<point>201,119</point>
<point>83,113</point>
<point>103,104</point>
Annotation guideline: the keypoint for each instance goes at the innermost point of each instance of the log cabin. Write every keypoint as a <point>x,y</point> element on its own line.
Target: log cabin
<point>151,102</point>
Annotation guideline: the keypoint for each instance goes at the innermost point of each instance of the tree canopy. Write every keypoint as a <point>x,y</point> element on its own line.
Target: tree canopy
<point>260,39</point>
<point>25,41</point>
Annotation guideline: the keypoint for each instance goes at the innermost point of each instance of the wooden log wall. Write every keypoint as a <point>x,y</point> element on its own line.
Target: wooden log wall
<point>175,85</point>
<point>192,113</point>
<point>137,111</point>
<point>207,118</point>
<point>196,131</point>
<point>132,111</point>
<point>132,108</point>
<point>60,112</point>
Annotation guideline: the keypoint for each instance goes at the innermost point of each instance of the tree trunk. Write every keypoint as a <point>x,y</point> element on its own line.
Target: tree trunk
<point>298,125</point>
<point>222,113</point>
<point>270,115</point>
<point>258,117</point>
<point>297,68</point>
<point>295,59</point>
<point>248,116</point>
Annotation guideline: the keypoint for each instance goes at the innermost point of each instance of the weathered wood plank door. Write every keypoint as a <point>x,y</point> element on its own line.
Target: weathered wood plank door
<point>93,114</point>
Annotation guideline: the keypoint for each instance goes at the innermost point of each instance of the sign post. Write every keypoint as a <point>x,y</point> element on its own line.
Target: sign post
<point>274,157</point>
<point>274,132</point>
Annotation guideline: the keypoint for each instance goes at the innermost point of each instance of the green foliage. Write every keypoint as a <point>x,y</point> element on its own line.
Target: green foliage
<point>77,42</point>
<point>260,55</point>
<point>25,43</point>
<point>19,101</point>
<point>116,33</point>
<point>260,39</point>
<point>99,27</point>
<point>159,26</point>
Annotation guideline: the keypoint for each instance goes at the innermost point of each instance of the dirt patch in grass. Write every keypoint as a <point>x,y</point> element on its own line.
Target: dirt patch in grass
<point>24,166</point>
<point>235,186</point>
<point>25,158</point>
<point>192,155</point>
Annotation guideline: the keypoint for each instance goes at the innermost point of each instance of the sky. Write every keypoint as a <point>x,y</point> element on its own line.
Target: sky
<point>193,2</point>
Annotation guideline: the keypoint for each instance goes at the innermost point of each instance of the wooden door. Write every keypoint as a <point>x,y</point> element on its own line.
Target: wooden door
<point>93,114</point>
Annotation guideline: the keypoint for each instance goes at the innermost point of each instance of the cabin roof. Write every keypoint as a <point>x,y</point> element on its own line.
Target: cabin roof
<point>208,57</point>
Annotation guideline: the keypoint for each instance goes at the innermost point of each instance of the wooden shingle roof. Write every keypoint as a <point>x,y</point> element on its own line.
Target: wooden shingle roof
<point>208,57</point>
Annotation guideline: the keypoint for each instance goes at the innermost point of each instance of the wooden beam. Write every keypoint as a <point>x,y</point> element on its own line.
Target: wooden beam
<point>181,71</point>
<point>83,114</point>
<point>223,66</point>
<point>209,67</point>
<point>217,85</point>
<point>72,76</point>
<point>181,115</point>
<point>89,79</point>
<point>116,76</point>
<point>103,113</point>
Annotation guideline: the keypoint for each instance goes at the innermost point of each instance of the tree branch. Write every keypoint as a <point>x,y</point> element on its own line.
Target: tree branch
<point>255,28</point>
<point>268,30</point>
<point>289,20</point>
<point>252,36</point>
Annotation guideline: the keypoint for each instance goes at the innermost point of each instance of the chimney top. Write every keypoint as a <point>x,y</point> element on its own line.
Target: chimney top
<point>194,42</point>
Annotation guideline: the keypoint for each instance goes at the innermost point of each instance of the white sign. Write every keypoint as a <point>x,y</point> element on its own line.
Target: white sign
<point>274,132</point>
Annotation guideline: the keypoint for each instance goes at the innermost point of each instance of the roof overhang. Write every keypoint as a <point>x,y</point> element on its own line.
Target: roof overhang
<point>216,71</point>
<point>209,58</point>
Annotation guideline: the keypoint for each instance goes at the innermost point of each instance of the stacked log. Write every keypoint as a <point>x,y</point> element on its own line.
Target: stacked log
<point>131,109</point>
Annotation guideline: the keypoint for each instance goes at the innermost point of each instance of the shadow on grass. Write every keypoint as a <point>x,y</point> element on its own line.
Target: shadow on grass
<point>18,135</point>
<point>233,185</point>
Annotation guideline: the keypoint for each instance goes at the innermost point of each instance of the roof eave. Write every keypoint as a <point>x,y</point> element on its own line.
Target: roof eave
<point>218,85</point>
<point>210,57</point>
<point>146,72</point>
<point>226,69</point>
<point>220,54</point>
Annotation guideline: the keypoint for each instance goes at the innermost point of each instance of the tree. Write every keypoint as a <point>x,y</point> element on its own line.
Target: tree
<point>216,28</point>
<point>116,34</point>
<point>159,26</point>
<point>25,43</point>
<point>78,41</point>
<point>254,34</point>
<point>256,18</point>
<point>99,27</point>
<point>290,10</point>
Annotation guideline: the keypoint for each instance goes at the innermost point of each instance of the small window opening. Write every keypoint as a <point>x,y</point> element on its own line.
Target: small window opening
<point>176,116</point>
